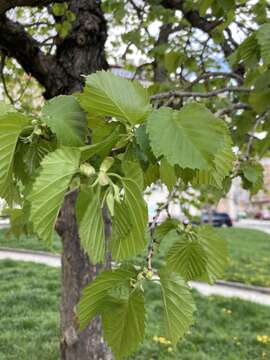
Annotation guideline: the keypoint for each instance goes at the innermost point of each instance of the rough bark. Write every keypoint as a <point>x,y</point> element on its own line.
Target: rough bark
<point>76,273</point>
<point>5,5</point>
<point>80,53</point>
<point>160,73</point>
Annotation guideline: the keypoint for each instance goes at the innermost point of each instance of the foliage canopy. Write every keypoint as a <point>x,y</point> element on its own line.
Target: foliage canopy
<point>195,123</point>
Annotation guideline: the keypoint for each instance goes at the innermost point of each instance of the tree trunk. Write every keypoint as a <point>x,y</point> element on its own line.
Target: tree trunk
<point>76,273</point>
<point>80,53</point>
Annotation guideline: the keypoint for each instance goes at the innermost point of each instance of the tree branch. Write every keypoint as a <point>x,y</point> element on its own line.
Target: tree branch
<point>192,16</point>
<point>232,108</point>
<point>6,5</point>
<point>199,22</point>
<point>214,74</point>
<point>258,121</point>
<point>160,73</point>
<point>182,94</point>
<point>3,58</point>
<point>20,45</point>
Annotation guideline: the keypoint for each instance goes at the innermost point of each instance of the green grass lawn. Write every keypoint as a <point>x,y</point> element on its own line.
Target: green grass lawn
<point>249,253</point>
<point>29,242</point>
<point>249,256</point>
<point>226,329</point>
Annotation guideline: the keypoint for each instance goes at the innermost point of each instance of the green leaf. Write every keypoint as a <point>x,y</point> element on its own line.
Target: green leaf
<point>167,226</point>
<point>259,98</point>
<point>151,174</point>
<point>47,195</point>
<point>130,220</point>
<point>59,9</point>
<point>253,176</point>
<point>110,202</point>
<point>101,128</point>
<point>178,305</point>
<point>167,174</point>
<point>5,108</point>
<point>142,140</point>
<point>227,4</point>
<point>189,137</point>
<point>123,324</point>
<point>133,170</point>
<point>223,164</point>
<point>248,52</point>
<point>106,94</point>
<point>172,60</point>
<point>122,225</point>
<point>28,157</point>
<point>66,119</point>
<point>215,248</point>
<point>96,293</point>
<point>91,228</point>
<point>11,125</point>
<point>103,148</point>
<point>263,37</point>
<point>204,6</point>
<point>18,222</point>
<point>187,257</point>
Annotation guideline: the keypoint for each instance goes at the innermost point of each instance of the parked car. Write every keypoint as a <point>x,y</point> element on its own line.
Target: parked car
<point>218,219</point>
<point>262,215</point>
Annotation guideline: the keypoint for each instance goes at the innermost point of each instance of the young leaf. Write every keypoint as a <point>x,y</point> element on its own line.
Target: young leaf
<point>18,222</point>
<point>248,52</point>
<point>129,240</point>
<point>102,148</point>
<point>122,225</point>
<point>263,37</point>
<point>96,293</point>
<point>133,170</point>
<point>151,175</point>
<point>66,119</point>
<point>189,137</point>
<point>91,228</point>
<point>252,176</point>
<point>223,163</point>
<point>106,94</point>
<point>253,171</point>
<point>5,108</point>
<point>165,228</point>
<point>143,142</point>
<point>123,323</point>
<point>11,125</point>
<point>47,195</point>
<point>178,305</point>
<point>167,174</point>
<point>187,257</point>
<point>101,128</point>
<point>215,248</point>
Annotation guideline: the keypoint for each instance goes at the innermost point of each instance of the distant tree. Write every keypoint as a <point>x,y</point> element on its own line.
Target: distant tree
<point>81,162</point>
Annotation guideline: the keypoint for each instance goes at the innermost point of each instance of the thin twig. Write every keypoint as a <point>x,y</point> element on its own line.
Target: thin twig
<point>153,225</point>
<point>252,133</point>
<point>214,74</point>
<point>232,108</point>
<point>179,93</point>
<point>3,59</point>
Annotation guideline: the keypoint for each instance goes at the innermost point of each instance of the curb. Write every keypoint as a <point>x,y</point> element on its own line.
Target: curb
<point>30,252</point>
<point>230,284</point>
<point>237,285</point>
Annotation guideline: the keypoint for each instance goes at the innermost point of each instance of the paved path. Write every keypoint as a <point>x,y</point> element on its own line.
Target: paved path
<point>37,257</point>
<point>205,289</point>
<point>254,224</point>
<point>4,223</point>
